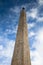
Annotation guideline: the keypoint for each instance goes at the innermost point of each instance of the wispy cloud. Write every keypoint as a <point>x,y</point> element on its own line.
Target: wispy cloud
<point>32,34</point>
<point>15,9</point>
<point>33,13</point>
<point>39,19</point>
<point>40,2</point>
<point>37,55</point>
<point>8,47</point>
<point>31,25</point>
<point>6,50</point>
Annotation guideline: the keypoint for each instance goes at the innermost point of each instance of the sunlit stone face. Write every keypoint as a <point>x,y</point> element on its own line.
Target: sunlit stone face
<point>21,55</point>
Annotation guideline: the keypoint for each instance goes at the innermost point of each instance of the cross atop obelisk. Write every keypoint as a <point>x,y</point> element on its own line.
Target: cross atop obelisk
<point>21,55</point>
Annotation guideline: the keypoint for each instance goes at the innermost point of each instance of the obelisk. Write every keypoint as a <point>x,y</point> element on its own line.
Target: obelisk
<point>21,55</point>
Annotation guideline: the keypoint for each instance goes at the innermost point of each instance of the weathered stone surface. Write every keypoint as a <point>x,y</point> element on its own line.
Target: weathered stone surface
<point>21,55</point>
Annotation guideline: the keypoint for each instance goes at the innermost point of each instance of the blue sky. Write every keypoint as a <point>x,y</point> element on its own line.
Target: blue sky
<point>9,18</point>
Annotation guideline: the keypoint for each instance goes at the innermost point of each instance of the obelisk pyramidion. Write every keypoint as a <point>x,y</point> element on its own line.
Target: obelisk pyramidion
<point>21,55</point>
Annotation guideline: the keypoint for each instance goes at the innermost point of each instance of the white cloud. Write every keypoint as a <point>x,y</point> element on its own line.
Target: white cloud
<point>39,19</point>
<point>40,2</point>
<point>31,34</point>
<point>7,51</point>
<point>1,47</point>
<point>35,58</point>
<point>15,9</point>
<point>38,45</point>
<point>10,31</point>
<point>30,25</point>
<point>32,13</point>
<point>5,62</point>
<point>39,39</point>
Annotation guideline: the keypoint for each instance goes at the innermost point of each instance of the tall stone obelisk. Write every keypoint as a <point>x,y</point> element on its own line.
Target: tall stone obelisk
<point>21,55</point>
